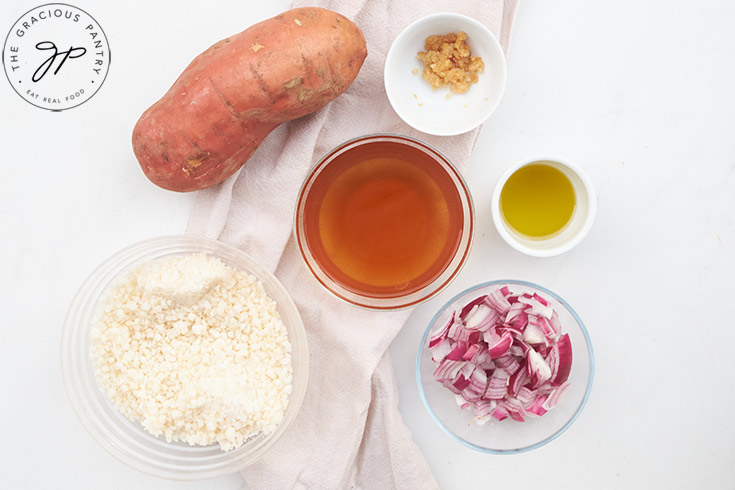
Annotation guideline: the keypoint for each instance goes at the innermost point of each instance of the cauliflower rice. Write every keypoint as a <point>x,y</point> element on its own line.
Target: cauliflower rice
<point>194,350</point>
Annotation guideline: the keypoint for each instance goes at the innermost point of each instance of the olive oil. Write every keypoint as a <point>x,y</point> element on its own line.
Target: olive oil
<point>538,201</point>
<point>383,219</point>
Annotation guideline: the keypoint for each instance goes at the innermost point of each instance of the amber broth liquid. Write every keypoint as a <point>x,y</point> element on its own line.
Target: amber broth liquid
<point>383,219</point>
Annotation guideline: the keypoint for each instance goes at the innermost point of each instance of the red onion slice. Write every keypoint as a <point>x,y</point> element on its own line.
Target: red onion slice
<point>461,383</point>
<point>536,307</point>
<point>554,396</point>
<point>537,407</point>
<point>496,387</point>
<point>501,346</point>
<point>448,369</point>
<point>441,350</point>
<point>470,306</point>
<point>482,359</point>
<point>555,323</point>
<point>560,360</point>
<point>538,371</point>
<point>515,310</point>
<point>533,333</point>
<point>491,336</point>
<point>470,352</point>
<point>511,329</point>
<point>508,363</point>
<point>461,402</point>
<point>458,351</point>
<point>516,381</point>
<point>442,333</point>
<point>481,318</point>
<point>500,413</point>
<point>525,396</point>
<point>455,331</point>
<point>515,409</point>
<point>498,300</point>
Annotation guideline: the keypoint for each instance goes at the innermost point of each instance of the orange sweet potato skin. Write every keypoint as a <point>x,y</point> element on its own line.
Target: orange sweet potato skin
<point>231,96</point>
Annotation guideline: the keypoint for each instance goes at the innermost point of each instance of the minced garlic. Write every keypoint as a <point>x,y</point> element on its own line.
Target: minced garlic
<point>448,61</point>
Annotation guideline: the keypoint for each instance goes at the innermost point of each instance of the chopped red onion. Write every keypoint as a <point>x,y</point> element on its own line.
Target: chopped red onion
<point>461,383</point>
<point>554,396</point>
<point>525,396</point>
<point>515,310</point>
<point>516,381</point>
<point>448,369</point>
<point>536,307</point>
<point>537,406</point>
<point>498,300</point>
<point>516,332</point>
<point>441,350</point>
<point>560,360</point>
<point>503,356</point>
<point>461,402</point>
<point>481,318</point>
<point>470,352</point>
<point>483,409</point>
<point>491,336</point>
<point>455,331</point>
<point>500,413</point>
<point>515,409</point>
<point>501,346</point>
<point>516,349</point>
<point>441,334</point>
<point>497,386</point>
<point>508,364</point>
<point>538,370</point>
<point>555,323</point>
<point>459,349</point>
<point>540,299</point>
<point>533,333</point>
<point>471,306</point>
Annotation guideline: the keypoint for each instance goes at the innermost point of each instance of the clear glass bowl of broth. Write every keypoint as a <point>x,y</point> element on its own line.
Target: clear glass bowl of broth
<point>384,221</point>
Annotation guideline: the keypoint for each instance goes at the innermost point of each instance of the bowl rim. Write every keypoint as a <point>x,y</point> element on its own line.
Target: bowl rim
<point>529,447</point>
<point>174,466</point>
<point>501,72</point>
<point>575,239</point>
<point>463,189</point>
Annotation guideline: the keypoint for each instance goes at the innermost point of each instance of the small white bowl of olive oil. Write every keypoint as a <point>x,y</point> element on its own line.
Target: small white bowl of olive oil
<point>544,206</point>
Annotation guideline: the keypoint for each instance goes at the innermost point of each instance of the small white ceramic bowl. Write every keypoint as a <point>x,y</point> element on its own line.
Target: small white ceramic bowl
<point>575,230</point>
<point>429,110</point>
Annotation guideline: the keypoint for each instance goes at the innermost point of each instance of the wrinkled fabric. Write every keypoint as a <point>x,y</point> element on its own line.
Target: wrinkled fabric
<point>348,433</point>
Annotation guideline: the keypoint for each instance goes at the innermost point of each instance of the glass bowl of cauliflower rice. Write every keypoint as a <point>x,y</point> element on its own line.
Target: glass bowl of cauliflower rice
<point>184,358</point>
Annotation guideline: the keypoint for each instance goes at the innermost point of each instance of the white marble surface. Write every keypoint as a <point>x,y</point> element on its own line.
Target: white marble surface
<point>639,93</point>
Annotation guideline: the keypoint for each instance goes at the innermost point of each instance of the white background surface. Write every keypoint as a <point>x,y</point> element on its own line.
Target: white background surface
<point>639,93</point>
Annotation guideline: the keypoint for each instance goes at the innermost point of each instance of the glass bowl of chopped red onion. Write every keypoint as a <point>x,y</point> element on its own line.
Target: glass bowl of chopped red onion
<point>505,367</point>
<point>130,440</point>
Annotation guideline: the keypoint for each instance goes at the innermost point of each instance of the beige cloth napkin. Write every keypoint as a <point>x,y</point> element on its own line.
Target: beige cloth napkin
<point>349,433</point>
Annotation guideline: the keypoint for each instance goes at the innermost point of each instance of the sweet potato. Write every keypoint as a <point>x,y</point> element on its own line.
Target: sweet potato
<point>231,96</point>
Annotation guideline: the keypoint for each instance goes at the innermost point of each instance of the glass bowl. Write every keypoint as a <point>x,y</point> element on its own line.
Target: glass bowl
<point>438,173</point>
<point>127,440</point>
<point>508,436</point>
